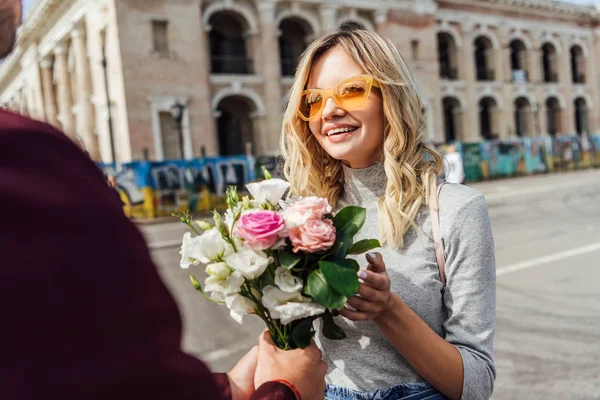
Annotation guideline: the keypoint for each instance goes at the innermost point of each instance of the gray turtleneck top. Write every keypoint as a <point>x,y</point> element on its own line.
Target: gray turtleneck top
<point>464,314</point>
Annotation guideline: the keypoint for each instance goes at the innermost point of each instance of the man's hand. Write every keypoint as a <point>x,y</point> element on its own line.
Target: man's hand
<point>241,377</point>
<point>302,367</point>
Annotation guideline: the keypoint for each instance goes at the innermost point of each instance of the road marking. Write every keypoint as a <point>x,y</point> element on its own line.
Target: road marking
<point>536,190</point>
<point>548,259</point>
<point>164,244</point>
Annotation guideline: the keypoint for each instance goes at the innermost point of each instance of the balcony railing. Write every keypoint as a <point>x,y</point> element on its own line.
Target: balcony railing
<point>449,73</point>
<point>579,78</point>
<point>231,64</point>
<point>486,75</point>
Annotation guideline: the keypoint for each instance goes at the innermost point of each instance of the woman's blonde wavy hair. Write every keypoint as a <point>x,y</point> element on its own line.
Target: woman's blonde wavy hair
<point>411,166</point>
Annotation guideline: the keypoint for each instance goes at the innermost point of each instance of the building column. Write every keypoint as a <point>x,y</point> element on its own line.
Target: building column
<point>563,64</point>
<point>467,73</point>
<point>328,17</point>
<point>65,101</point>
<point>85,116</point>
<point>271,70</point>
<point>50,110</point>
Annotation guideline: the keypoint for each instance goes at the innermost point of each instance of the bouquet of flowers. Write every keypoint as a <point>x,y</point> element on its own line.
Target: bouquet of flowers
<point>283,260</point>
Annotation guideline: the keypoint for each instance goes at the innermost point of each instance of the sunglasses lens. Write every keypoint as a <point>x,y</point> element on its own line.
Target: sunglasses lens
<point>352,94</point>
<point>311,103</point>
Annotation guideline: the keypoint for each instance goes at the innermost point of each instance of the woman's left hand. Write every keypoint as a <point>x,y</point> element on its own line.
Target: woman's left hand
<point>373,296</point>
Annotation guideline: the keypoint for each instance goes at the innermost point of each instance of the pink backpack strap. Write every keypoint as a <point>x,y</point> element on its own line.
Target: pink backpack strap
<point>437,238</point>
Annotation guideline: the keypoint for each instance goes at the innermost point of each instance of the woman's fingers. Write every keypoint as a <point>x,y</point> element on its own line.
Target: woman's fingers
<point>377,280</point>
<point>375,261</point>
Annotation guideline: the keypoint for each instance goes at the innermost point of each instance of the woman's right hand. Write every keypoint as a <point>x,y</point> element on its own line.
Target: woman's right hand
<point>303,368</point>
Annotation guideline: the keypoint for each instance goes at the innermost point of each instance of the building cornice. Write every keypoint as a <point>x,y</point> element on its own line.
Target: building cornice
<point>551,6</point>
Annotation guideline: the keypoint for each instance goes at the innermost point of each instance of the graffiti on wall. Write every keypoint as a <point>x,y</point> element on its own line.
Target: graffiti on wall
<point>152,189</point>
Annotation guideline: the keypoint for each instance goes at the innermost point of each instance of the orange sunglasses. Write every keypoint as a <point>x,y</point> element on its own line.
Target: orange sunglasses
<point>349,94</point>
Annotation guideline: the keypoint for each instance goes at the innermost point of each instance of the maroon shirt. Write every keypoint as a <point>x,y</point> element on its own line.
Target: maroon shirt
<point>84,314</point>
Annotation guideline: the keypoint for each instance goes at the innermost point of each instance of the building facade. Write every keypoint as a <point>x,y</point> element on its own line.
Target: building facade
<point>113,73</point>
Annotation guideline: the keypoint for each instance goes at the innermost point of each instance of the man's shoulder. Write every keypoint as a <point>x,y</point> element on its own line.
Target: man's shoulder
<point>11,124</point>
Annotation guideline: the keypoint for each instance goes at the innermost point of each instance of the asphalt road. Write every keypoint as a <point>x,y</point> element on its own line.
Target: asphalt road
<point>547,236</point>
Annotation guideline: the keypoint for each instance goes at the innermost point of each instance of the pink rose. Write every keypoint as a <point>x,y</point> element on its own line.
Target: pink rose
<point>305,209</point>
<point>260,229</point>
<point>314,235</point>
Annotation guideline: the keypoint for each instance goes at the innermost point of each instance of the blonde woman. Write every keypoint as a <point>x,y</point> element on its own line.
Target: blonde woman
<point>353,132</point>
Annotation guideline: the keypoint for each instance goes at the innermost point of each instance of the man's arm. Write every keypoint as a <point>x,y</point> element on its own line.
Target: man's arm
<point>89,316</point>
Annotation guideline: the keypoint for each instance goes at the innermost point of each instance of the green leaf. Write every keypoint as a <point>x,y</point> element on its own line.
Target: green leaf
<point>329,329</point>
<point>349,220</point>
<point>364,245</point>
<point>353,263</point>
<point>302,333</point>
<point>268,277</point>
<point>318,288</point>
<point>288,260</point>
<point>341,276</point>
<point>342,246</point>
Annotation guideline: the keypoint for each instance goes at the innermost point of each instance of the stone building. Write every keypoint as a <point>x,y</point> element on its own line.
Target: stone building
<point>109,72</point>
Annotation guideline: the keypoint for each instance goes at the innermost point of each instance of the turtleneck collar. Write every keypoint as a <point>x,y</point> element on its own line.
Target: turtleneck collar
<point>363,185</point>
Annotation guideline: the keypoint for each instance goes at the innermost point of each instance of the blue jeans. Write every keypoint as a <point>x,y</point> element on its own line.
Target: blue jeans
<point>408,391</point>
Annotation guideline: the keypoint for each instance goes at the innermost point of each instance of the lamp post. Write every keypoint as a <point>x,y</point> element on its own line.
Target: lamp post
<point>111,133</point>
<point>177,111</point>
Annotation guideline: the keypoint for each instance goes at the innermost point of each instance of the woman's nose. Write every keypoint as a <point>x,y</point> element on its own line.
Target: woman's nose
<point>331,109</point>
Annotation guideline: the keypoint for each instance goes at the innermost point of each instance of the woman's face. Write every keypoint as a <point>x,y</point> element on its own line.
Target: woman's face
<point>362,145</point>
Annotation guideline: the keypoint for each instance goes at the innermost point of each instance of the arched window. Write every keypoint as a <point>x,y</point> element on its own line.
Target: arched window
<point>581,116</point>
<point>549,63</point>
<point>577,64</point>
<point>523,117</point>
<point>292,43</point>
<point>552,116</point>
<point>235,125</point>
<point>447,53</point>
<point>452,116</point>
<point>487,118</point>
<point>518,61</point>
<point>228,44</point>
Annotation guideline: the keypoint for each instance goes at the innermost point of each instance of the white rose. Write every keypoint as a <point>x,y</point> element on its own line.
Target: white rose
<point>286,281</point>
<point>221,288</point>
<point>289,307</point>
<point>219,270</point>
<point>293,218</point>
<point>270,190</point>
<point>238,307</point>
<point>293,311</point>
<point>248,262</point>
<point>210,246</point>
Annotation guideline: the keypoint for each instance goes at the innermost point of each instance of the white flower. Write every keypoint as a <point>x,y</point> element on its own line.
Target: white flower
<point>286,281</point>
<point>209,246</point>
<point>219,270</point>
<point>248,262</point>
<point>222,288</point>
<point>294,218</point>
<point>289,307</point>
<point>188,253</point>
<point>238,307</point>
<point>293,311</point>
<point>270,190</point>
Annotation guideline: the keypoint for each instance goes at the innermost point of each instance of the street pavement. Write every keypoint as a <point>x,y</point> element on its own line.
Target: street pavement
<point>547,237</point>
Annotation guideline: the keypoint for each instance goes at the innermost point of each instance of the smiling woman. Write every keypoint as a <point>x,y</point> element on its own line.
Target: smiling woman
<point>353,132</point>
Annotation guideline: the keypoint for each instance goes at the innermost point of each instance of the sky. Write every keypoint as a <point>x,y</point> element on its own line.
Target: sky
<point>27,4</point>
